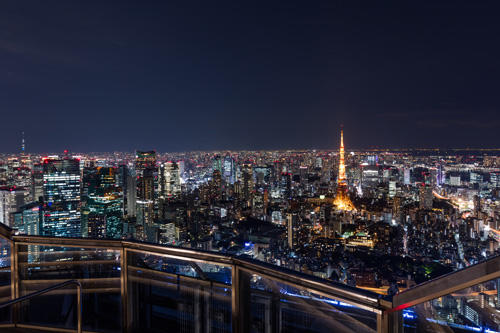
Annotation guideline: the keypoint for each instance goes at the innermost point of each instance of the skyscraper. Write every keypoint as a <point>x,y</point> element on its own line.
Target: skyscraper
<point>247,185</point>
<point>28,219</point>
<point>11,198</point>
<point>216,187</point>
<point>146,173</point>
<point>102,204</point>
<point>342,200</point>
<point>292,229</point>
<point>37,182</point>
<point>61,192</point>
<point>170,180</point>
<point>229,169</point>
<point>425,197</point>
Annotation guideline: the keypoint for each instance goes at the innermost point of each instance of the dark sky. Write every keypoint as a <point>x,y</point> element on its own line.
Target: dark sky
<point>201,75</point>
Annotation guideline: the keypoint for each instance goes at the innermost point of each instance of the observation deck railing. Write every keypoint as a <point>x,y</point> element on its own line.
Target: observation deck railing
<point>130,286</point>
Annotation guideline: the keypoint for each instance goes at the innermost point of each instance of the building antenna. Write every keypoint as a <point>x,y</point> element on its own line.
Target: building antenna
<point>23,145</point>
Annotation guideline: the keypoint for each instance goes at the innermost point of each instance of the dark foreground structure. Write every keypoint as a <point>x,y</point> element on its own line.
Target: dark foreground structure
<point>90,285</point>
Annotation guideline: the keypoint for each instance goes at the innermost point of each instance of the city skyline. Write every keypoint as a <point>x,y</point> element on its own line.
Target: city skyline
<point>374,221</point>
<point>23,147</point>
<point>291,166</point>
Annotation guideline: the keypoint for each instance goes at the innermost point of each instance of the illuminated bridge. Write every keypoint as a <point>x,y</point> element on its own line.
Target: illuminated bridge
<point>52,284</point>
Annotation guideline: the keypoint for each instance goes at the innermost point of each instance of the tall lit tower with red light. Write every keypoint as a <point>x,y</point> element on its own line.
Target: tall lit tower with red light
<point>342,200</point>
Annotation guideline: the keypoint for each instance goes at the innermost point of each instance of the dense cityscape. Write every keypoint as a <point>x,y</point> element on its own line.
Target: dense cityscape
<point>334,214</point>
<point>249,167</point>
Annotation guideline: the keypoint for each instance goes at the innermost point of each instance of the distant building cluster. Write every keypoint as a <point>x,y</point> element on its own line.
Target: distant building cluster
<point>374,219</point>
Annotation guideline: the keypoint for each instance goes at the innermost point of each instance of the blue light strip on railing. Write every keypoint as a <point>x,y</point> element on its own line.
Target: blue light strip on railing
<point>329,301</point>
<point>407,313</point>
<point>487,330</point>
<point>464,327</point>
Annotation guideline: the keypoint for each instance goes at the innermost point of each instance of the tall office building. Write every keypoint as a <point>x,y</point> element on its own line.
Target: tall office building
<point>102,204</point>
<point>425,197</point>
<point>215,186</point>
<point>392,188</point>
<point>61,192</point>
<point>286,185</point>
<point>397,209</point>
<point>122,176</point>
<point>217,164</point>
<point>169,180</point>
<point>146,173</point>
<point>229,171</point>
<point>477,205</point>
<point>145,160</point>
<point>292,229</point>
<point>131,193</point>
<point>247,185</point>
<point>406,176</point>
<point>28,219</point>
<point>37,182</point>
<point>11,199</point>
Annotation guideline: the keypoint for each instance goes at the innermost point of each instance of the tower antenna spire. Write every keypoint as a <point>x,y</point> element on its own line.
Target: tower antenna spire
<point>342,200</point>
<point>23,145</point>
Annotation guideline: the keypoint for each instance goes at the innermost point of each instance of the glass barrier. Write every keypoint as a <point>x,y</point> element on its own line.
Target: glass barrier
<point>279,307</point>
<point>474,309</point>
<point>5,279</point>
<point>183,296</point>
<point>163,292</point>
<point>98,269</point>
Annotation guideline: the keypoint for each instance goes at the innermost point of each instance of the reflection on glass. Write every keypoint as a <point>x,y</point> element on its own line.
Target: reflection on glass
<point>97,269</point>
<point>5,285</point>
<point>474,309</point>
<point>278,307</point>
<point>183,296</point>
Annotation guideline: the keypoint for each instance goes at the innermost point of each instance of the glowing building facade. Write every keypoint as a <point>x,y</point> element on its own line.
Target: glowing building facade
<point>170,180</point>
<point>146,173</point>
<point>102,204</point>
<point>342,200</point>
<point>61,192</point>
<point>11,198</point>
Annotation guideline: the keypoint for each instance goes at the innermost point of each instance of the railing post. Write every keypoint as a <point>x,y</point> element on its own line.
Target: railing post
<point>14,280</point>
<point>79,306</point>
<point>124,290</point>
<point>235,306</point>
<point>241,301</point>
<point>390,322</point>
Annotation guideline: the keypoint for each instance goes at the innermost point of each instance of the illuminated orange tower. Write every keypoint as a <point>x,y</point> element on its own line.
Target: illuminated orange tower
<point>342,200</point>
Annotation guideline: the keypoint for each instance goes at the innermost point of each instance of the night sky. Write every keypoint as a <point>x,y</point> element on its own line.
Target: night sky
<point>205,75</point>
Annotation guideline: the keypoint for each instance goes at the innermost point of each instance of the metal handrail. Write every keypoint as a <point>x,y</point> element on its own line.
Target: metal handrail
<point>49,289</point>
<point>355,296</point>
<point>448,283</point>
<point>361,298</point>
